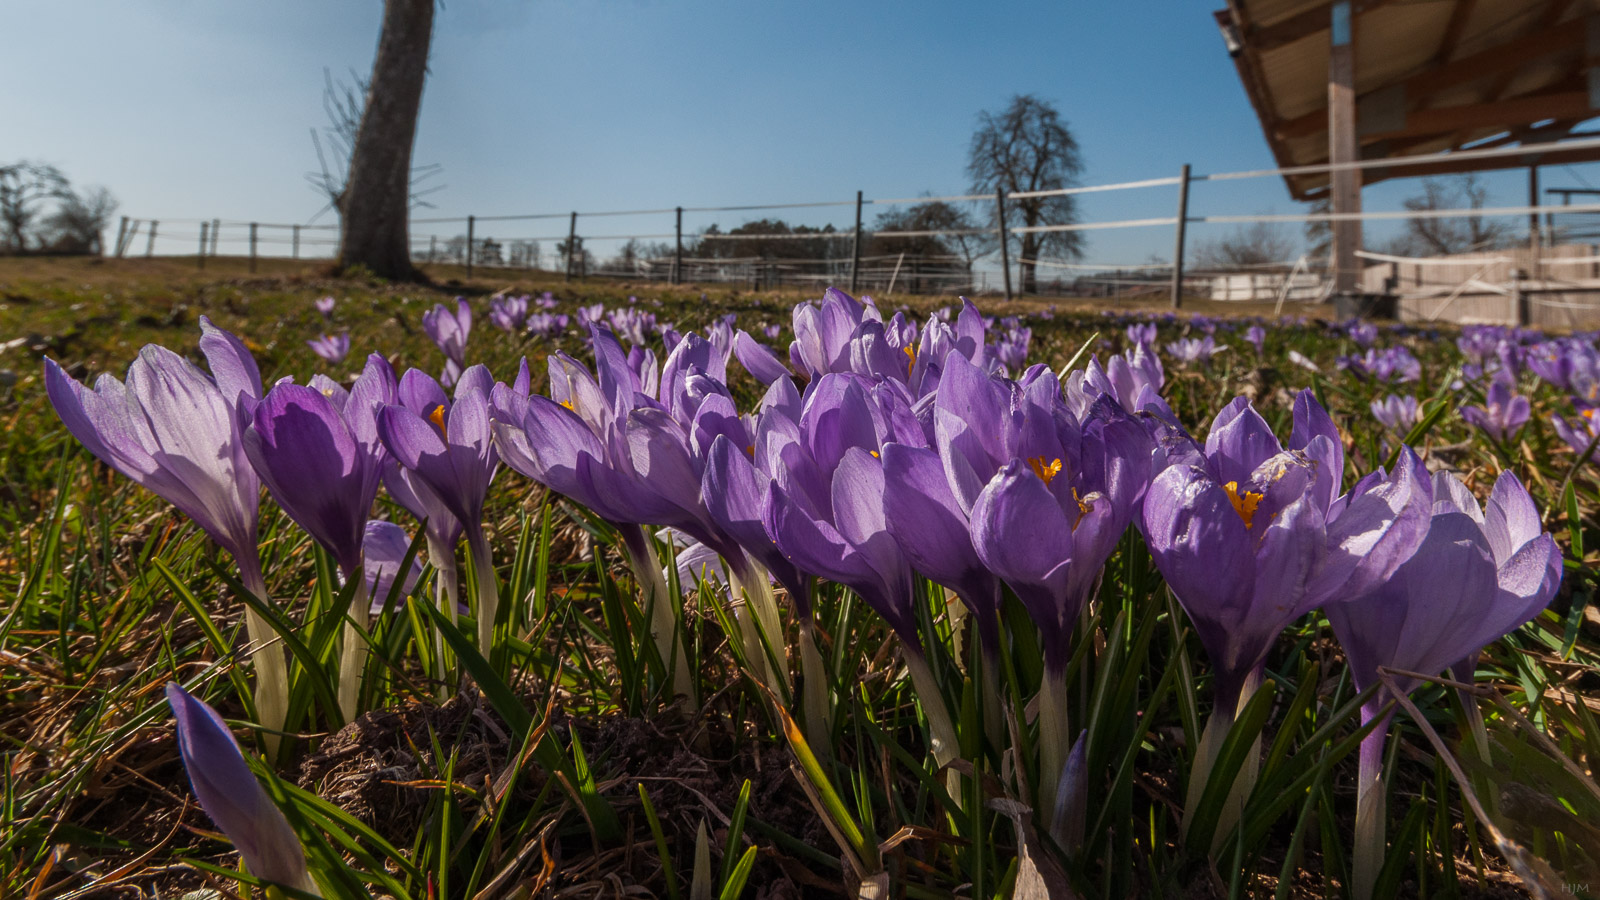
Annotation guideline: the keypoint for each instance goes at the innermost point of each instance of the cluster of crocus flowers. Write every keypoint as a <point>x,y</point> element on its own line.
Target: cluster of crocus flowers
<point>1195,350</point>
<point>509,314</point>
<point>1503,413</point>
<point>882,451</point>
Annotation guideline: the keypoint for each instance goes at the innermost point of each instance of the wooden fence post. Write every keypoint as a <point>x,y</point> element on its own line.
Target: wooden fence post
<point>677,256</point>
<point>201,258</point>
<point>297,242</point>
<point>252,247</point>
<point>150,240</point>
<point>572,239</point>
<point>855,248</point>
<point>472,224</point>
<point>1181,230</point>
<point>216,234</point>
<point>1005,252</point>
<point>122,232</point>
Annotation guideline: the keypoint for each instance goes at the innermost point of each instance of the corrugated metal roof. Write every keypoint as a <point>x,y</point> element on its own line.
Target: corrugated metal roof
<point>1430,76</point>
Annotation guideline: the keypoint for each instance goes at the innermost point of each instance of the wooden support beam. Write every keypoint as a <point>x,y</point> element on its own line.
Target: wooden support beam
<point>1345,191</point>
<point>1452,31</point>
<point>1507,113</point>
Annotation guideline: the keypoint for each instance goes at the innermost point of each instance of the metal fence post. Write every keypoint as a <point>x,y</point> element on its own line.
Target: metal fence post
<point>855,248</point>
<point>252,246</point>
<point>1005,252</point>
<point>1182,227</point>
<point>201,258</point>
<point>677,257</point>
<point>472,224</point>
<point>297,242</point>
<point>216,234</point>
<point>150,240</point>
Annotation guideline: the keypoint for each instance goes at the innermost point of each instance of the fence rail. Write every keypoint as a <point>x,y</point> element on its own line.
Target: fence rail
<point>841,251</point>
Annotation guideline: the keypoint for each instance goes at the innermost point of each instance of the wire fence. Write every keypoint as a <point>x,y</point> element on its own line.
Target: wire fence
<point>657,244</point>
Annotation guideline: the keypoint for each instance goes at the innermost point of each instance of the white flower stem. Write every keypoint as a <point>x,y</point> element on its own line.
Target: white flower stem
<point>271,668</point>
<point>353,649</point>
<point>488,589</point>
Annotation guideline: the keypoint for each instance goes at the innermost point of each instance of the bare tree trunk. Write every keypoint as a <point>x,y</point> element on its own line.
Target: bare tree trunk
<point>376,196</point>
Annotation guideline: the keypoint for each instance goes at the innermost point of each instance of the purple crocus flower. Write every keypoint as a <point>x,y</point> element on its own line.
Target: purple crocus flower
<point>231,796</point>
<point>383,552</point>
<point>1012,348</point>
<point>449,333</point>
<point>1502,414</point>
<point>771,332</point>
<point>547,300</point>
<point>1242,584</point>
<point>1477,576</point>
<point>509,313</point>
<point>178,433</point>
<point>591,315</point>
<point>317,450</point>
<point>324,306</point>
<point>1191,350</point>
<point>636,325</point>
<point>1133,379</point>
<point>1142,334</point>
<point>1257,336</point>
<point>545,324</point>
<point>447,448</point>
<point>1391,364</point>
<point>1365,334</point>
<point>1397,413</point>
<point>1580,433</point>
<point>331,347</point>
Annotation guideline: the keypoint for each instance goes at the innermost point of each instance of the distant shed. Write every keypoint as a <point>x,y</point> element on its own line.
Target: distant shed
<point>1343,81</point>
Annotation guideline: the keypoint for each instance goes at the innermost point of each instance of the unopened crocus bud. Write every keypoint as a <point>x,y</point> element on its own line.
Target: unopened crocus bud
<point>231,796</point>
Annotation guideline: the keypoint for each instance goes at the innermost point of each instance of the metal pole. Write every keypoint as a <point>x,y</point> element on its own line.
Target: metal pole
<point>1533,200</point>
<point>297,242</point>
<point>572,239</point>
<point>201,258</point>
<point>472,224</point>
<point>252,246</point>
<point>1005,252</point>
<point>1182,228</point>
<point>150,240</point>
<point>216,234</point>
<point>855,248</point>
<point>677,258</point>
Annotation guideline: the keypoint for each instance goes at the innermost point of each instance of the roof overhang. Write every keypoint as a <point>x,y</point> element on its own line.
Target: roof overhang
<point>1431,76</point>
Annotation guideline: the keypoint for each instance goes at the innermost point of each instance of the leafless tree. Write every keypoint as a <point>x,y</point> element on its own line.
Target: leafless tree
<point>374,203</point>
<point>934,215</point>
<point>25,187</point>
<point>1252,245</point>
<point>79,221</point>
<point>1453,235</point>
<point>1026,147</point>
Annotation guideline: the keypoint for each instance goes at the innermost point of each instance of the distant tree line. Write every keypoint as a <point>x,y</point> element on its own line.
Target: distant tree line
<point>41,213</point>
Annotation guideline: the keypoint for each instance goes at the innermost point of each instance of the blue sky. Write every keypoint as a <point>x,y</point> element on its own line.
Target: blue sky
<point>200,109</point>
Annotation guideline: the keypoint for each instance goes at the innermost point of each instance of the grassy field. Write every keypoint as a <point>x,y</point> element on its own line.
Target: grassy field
<point>559,765</point>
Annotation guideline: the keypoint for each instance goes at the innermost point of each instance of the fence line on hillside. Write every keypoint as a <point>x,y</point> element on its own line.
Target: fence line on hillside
<point>838,260</point>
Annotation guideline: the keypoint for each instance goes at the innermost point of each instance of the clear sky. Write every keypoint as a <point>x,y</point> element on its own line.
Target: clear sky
<point>201,108</point>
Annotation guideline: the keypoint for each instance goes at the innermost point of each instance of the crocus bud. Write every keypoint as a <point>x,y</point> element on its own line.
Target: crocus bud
<point>231,796</point>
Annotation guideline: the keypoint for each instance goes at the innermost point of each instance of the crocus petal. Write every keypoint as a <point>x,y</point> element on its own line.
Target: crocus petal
<point>312,465</point>
<point>762,364</point>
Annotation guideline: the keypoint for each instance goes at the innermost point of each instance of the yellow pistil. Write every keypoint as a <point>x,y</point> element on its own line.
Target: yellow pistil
<point>1588,413</point>
<point>874,453</point>
<point>437,418</point>
<point>1046,471</point>
<point>750,451</point>
<point>568,405</point>
<point>1243,503</point>
<point>327,392</point>
<point>912,353</point>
